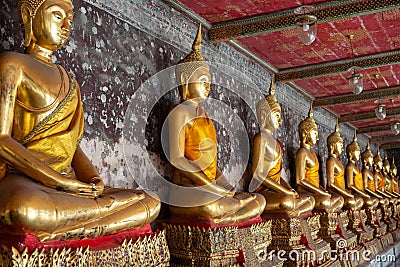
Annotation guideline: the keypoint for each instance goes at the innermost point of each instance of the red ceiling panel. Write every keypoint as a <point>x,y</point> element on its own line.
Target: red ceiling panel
<point>218,11</point>
<point>283,49</point>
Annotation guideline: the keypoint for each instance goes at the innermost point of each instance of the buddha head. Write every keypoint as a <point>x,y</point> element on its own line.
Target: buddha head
<point>268,110</point>
<point>46,23</point>
<point>193,74</point>
<point>367,157</point>
<point>335,142</point>
<point>386,165</point>
<point>393,169</point>
<point>308,129</point>
<point>378,163</point>
<point>353,149</point>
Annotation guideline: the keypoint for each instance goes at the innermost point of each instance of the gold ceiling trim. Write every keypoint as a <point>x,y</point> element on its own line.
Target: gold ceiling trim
<point>339,66</point>
<point>372,129</point>
<point>268,23</point>
<point>380,93</point>
<point>367,115</point>
<point>387,138</point>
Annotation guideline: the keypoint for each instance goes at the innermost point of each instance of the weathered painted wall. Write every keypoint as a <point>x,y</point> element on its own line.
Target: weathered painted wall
<point>117,45</point>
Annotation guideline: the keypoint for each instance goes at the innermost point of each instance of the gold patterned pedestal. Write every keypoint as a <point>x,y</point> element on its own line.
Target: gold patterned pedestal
<point>218,246</point>
<point>387,238</point>
<point>358,225</point>
<point>396,216</point>
<point>311,228</point>
<point>375,221</point>
<point>345,232</point>
<point>334,228</point>
<point>146,251</point>
<point>286,236</point>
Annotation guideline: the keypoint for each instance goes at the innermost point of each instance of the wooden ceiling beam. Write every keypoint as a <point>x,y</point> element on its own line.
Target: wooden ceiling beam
<point>380,93</point>
<point>267,23</point>
<point>387,138</point>
<point>373,129</point>
<point>368,115</point>
<point>339,66</point>
<point>390,145</point>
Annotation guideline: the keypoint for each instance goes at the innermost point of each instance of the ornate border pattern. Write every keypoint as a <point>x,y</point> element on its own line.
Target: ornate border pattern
<point>334,67</point>
<point>367,115</point>
<point>147,251</point>
<point>352,98</point>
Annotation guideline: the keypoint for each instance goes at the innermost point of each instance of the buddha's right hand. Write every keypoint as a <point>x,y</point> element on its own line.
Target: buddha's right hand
<point>231,193</point>
<point>91,190</point>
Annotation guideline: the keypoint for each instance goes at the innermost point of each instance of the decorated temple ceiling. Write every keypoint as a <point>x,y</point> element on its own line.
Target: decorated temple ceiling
<point>265,31</point>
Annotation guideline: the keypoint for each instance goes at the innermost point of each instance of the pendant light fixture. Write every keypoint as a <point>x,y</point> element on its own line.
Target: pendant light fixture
<point>395,128</point>
<point>356,79</point>
<point>395,124</point>
<point>380,109</point>
<point>306,24</point>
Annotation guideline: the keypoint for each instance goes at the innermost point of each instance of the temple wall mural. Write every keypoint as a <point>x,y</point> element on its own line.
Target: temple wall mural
<point>116,46</point>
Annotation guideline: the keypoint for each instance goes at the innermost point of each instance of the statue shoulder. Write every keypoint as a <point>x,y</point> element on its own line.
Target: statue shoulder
<point>14,58</point>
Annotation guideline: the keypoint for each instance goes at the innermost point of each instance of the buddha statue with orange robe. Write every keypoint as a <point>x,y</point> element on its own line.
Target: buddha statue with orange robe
<point>307,168</point>
<point>335,171</point>
<point>354,177</point>
<point>388,179</point>
<point>48,186</point>
<point>395,181</point>
<point>267,163</point>
<point>193,149</point>
<point>381,179</point>
<point>370,181</point>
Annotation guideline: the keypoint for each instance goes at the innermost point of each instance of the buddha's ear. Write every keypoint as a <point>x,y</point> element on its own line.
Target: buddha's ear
<point>27,22</point>
<point>184,86</point>
<point>263,117</point>
<point>303,134</point>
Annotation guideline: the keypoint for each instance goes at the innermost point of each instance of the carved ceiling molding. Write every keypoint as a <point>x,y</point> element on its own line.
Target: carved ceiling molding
<point>382,139</point>
<point>339,66</point>
<point>372,129</point>
<point>368,115</point>
<point>352,98</point>
<point>325,12</point>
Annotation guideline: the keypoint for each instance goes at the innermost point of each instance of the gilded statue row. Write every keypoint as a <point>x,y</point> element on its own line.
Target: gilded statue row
<point>49,187</point>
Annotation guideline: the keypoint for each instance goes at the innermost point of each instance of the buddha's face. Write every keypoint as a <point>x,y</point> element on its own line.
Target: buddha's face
<point>199,85</point>
<point>356,155</point>
<point>52,24</point>
<point>379,164</point>
<point>386,167</point>
<point>394,171</point>
<point>339,147</point>
<point>273,120</point>
<point>370,161</point>
<point>313,137</point>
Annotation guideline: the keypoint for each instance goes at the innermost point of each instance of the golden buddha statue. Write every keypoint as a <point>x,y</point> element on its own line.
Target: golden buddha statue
<point>370,182</point>
<point>267,163</point>
<point>48,187</point>
<point>356,183</point>
<point>388,178</point>
<point>307,167</point>
<point>193,148</point>
<point>395,182</point>
<point>335,169</point>
<point>380,178</point>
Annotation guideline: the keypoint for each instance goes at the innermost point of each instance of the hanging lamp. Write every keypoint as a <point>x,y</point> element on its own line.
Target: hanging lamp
<point>306,24</point>
<point>380,109</point>
<point>356,83</point>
